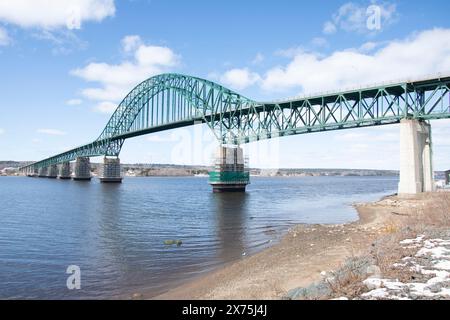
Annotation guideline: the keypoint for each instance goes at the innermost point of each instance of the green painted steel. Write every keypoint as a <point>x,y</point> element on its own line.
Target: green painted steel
<point>229,177</point>
<point>170,101</point>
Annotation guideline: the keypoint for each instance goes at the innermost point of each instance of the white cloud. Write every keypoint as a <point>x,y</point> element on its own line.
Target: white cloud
<point>329,28</point>
<point>51,14</point>
<point>258,58</point>
<point>424,53</point>
<point>131,43</point>
<point>155,56</point>
<point>64,41</point>
<point>74,102</point>
<point>52,132</point>
<point>4,37</point>
<point>352,17</point>
<point>116,80</point>
<point>368,46</point>
<point>105,107</point>
<point>290,52</point>
<point>2,131</point>
<point>239,78</point>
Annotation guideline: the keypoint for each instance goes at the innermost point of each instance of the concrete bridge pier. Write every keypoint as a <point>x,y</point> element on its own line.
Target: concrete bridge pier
<point>110,171</point>
<point>52,171</point>
<point>42,173</point>
<point>416,158</point>
<point>29,172</point>
<point>64,171</point>
<point>229,174</point>
<point>82,170</point>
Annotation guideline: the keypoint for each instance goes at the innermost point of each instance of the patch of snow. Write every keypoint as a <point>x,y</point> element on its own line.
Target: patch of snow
<point>442,265</point>
<point>377,293</point>
<point>435,287</point>
<point>412,241</point>
<point>434,252</point>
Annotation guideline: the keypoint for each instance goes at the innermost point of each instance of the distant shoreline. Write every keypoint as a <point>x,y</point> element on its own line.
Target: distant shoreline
<point>10,168</point>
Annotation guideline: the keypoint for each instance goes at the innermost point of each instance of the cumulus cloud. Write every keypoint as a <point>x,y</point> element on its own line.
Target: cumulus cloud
<point>4,37</point>
<point>352,17</point>
<point>131,43</point>
<point>240,78</point>
<point>52,132</point>
<point>424,53</point>
<point>51,14</point>
<point>116,80</point>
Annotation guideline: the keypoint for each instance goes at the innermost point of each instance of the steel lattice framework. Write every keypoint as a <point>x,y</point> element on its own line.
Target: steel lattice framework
<point>170,101</point>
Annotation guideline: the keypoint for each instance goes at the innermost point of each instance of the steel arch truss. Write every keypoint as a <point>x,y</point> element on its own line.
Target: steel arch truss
<point>424,100</point>
<point>171,101</point>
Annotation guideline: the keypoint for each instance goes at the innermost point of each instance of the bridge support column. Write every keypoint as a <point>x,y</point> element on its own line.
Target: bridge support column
<point>30,172</point>
<point>110,171</point>
<point>42,173</point>
<point>229,174</point>
<point>416,169</point>
<point>52,171</point>
<point>64,171</point>
<point>82,169</point>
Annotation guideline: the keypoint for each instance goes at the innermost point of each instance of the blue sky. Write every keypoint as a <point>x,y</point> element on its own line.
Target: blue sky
<point>65,67</point>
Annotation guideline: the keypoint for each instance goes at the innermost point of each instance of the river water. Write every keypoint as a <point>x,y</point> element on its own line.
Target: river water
<point>115,233</point>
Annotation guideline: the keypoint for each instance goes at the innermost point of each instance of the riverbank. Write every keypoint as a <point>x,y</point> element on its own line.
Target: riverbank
<point>324,261</point>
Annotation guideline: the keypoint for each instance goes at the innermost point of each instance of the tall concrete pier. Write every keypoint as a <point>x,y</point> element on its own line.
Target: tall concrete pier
<point>229,174</point>
<point>82,170</point>
<point>64,171</point>
<point>110,171</point>
<point>42,172</point>
<point>416,163</point>
<point>52,171</point>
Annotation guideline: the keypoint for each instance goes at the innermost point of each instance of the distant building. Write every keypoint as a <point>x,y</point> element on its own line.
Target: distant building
<point>447,177</point>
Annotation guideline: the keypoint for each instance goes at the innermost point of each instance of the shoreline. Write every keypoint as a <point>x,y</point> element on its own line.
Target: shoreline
<point>306,253</point>
<point>299,258</point>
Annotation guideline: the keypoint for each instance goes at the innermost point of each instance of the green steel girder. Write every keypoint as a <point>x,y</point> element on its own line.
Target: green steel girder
<point>170,101</point>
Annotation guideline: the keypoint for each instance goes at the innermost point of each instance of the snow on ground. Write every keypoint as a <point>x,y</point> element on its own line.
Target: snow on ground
<point>432,261</point>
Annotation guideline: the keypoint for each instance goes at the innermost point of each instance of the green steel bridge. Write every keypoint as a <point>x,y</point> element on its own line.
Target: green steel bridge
<point>169,101</point>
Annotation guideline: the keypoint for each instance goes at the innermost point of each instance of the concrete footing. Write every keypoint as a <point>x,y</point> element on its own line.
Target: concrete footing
<point>82,170</point>
<point>110,171</point>
<point>52,171</point>
<point>64,171</point>
<point>229,174</point>
<point>416,163</point>
<point>32,172</point>
<point>42,172</point>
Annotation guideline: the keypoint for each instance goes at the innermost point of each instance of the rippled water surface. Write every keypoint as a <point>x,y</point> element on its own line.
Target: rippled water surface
<point>115,232</point>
